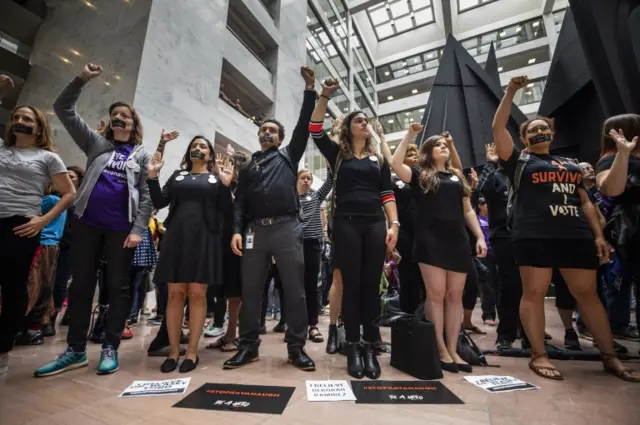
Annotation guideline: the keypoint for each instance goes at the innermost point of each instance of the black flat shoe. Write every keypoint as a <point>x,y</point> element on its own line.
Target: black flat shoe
<point>355,365</point>
<point>299,358</point>
<point>244,356</point>
<point>449,367</point>
<point>169,365</point>
<point>280,328</point>
<point>317,336</point>
<point>465,367</point>
<point>332,340</point>
<point>188,365</point>
<point>371,365</point>
<point>48,330</point>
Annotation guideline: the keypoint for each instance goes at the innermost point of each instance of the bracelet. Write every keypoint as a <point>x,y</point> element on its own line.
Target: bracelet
<point>325,96</point>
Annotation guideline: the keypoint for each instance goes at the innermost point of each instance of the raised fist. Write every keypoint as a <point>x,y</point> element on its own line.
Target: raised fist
<point>308,75</point>
<point>415,128</point>
<point>329,86</point>
<point>90,71</point>
<point>517,83</point>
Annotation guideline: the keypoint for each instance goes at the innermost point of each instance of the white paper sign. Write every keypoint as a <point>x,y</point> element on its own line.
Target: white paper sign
<point>147,388</point>
<point>329,391</point>
<point>500,384</point>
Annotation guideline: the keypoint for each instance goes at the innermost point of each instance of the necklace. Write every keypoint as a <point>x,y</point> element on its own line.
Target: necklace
<point>196,176</point>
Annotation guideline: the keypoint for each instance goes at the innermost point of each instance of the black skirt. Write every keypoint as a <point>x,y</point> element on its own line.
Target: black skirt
<point>556,253</point>
<point>443,244</point>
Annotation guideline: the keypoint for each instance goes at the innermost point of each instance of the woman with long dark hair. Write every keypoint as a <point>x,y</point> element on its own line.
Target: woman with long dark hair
<point>28,163</point>
<point>191,258</point>
<point>441,243</point>
<point>364,195</point>
<point>555,225</point>
<point>111,213</point>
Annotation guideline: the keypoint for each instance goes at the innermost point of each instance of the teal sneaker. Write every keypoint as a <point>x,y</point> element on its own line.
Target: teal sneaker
<point>68,360</point>
<point>108,361</point>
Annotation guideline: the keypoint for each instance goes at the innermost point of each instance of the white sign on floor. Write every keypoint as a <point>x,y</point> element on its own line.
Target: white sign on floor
<point>149,388</point>
<point>500,384</point>
<point>329,391</point>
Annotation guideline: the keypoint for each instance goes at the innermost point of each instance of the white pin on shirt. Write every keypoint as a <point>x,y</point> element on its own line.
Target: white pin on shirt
<point>373,158</point>
<point>184,173</point>
<point>454,178</point>
<point>308,198</point>
<point>400,184</point>
<point>179,178</point>
<point>212,179</point>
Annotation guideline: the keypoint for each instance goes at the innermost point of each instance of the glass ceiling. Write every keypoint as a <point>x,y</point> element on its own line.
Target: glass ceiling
<point>395,17</point>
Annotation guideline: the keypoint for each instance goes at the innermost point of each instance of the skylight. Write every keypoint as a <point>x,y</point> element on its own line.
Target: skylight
<point>394,17</point>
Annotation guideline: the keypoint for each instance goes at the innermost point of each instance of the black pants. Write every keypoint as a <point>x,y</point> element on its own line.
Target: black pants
<point>219,311</point>
<point>312,257</point>
<point>89,243</point>
<point>510,291</point>
<point>63,273</point>
<point>327,276</point>
<point>163,296</point>
<point>277,285</point>
<point>488,283</point>
<point>412,290</point>
<point>360,252</point>
<point>16,255</point>
<point>470,294</point>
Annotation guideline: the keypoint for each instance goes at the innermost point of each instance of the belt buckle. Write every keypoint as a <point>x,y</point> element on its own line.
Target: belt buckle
<point>266,221</point>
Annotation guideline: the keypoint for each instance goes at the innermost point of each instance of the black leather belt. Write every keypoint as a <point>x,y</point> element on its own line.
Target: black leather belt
<point>270,221</point>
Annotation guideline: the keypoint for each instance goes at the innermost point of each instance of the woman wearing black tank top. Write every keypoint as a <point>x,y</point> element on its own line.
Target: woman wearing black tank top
<point>554,225</point>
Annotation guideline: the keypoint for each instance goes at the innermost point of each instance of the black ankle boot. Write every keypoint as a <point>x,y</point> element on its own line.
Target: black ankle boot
<point>98,331</point>
<point>371,365</point>
<point>355,366</point>
<point>332,340</point>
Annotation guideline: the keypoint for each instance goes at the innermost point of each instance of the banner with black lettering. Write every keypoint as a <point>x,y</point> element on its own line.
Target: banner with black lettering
<point>329,391</point>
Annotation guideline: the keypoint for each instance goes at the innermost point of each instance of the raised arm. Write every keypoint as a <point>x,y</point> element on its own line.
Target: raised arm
<point>384,146</point>
<point>160,198</point>
<point>323,142</point>
<point>612,182</point>
<point>144,203</point>
<point>389,205</point>
<point>296,147</point>
<point>501,136</point>
<point>455,158</point>
<point>65,109</point>
<point>489,168</point>
<point>326,186</point>
<point>397,160</point>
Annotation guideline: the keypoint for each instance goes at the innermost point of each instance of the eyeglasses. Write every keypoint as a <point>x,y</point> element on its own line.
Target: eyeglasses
<point>540,128</point>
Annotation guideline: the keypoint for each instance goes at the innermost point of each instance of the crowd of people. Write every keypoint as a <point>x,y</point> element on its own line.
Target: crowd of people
<point>441,236</point>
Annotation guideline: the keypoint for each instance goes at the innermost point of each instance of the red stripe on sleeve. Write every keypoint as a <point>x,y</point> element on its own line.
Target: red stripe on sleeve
<point>315,127</point>
<point>388,198</point>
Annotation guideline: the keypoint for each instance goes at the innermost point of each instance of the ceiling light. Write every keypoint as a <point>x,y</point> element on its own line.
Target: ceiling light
<point>65,60</point>
<point>75,52</point>
<point>421,110</point>
<point>106,83</point>
<point>503,34</point>
<point>414,91</point>
<point>386,73</point>
<point>411,120</point>
<point>500,69</point>
<point>326,115</point>
<point>346,109</point>
<point>390,121</point>
<point>404,63</point>
<point>407,113</point>
<point>535,24</point>
<point>529,85</point>
<point>393,148</point>
<point>389,97</point>
<point>89,4</point>
<point>388,6</point>
<point>532,60</point>
<point>406,71</point>
<point>528,93</point>
<point>430,55</point>
<point>117,77</point>
<point>518,29</point>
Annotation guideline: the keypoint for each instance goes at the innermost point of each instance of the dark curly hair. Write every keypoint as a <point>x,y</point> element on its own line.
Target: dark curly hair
<point>187,164</point>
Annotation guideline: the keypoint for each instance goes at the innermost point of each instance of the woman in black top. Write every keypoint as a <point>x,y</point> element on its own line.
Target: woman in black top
<point>618,176</point>
<point>198,195</point>
<point>441,243</point>
<point>363,188</point>
<point>555,225</point>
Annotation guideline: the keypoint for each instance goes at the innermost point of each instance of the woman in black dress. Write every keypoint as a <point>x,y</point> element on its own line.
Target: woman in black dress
<point>441,243</point>
<point>198,198</point>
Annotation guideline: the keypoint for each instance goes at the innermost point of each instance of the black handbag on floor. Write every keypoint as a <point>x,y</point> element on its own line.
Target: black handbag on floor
<point>413,345</point>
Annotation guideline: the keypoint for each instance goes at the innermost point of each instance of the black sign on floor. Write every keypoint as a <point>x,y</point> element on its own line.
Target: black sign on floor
<point>403,392</point>
<point>239,398</point>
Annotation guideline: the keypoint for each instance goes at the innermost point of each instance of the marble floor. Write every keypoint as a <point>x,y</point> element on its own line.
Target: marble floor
<point>586,397</point>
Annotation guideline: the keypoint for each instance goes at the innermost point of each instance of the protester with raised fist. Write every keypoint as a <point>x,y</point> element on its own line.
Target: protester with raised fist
<point>361,238</point>
<point>28,164</point>
<point>266,225</point>
<point>555,225</point>
<point>111,213</point>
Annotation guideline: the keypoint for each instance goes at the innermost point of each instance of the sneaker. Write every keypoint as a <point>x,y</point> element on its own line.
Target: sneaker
<point>126,334</point>
<point>68,360</point>
<point>214,332</point>
<point>108,361</point>
<point>571,340</point>
<point>4,363</point>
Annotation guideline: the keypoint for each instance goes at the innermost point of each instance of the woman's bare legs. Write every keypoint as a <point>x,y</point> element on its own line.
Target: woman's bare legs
<point>453,312</point>
<point>197,317</point>
<point>535,283</point>
<point>335,297</point>
<point>435,283</point>
<point>174,314</point>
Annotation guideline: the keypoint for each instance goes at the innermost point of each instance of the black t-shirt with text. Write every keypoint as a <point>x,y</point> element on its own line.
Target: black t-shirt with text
<point>445,204</point>
<point>631,196</point>
<point>548,205</point>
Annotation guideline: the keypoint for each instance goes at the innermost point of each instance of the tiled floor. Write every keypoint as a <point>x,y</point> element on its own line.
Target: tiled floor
<point>587,396</point>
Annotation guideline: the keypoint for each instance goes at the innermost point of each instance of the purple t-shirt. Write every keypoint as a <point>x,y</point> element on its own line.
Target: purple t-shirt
<point>108,205</point>
<point>484,225</point>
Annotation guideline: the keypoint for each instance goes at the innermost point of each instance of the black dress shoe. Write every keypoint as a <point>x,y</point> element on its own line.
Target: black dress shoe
<point>30,337</point>
<point>355,366</point>
<point>465,367</point>
<point>263,330</point>
<point>371,365</point>
<point>449,367</point>
<point>188,365</point>
<point>243,357</point>
<point>280,328</point>
<point>504,345</point>
<point>169,365</point>
<point>299,358</point>
<point>332,340</point>
<point>48,330</point>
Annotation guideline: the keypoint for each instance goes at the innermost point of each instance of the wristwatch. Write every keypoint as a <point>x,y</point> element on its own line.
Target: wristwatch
<point>396,222</point>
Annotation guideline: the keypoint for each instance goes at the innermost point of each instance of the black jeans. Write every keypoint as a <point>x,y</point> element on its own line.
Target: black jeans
<point>412,290</point>
<point>63,273</point>
<point>16,255</point>
<point>277,285</point>
<point>360,252</point>
<point>89,243</point>
<point>312,257</point>
<point>489,283</point>
<point>510,291</point>
<point>219,310</point>
<point>470,294</point>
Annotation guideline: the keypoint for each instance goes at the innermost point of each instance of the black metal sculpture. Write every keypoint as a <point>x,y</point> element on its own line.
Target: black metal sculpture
<point>491,65</point>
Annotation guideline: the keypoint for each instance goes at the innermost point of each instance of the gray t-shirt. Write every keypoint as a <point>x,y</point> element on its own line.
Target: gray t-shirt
<point>24,176</point>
